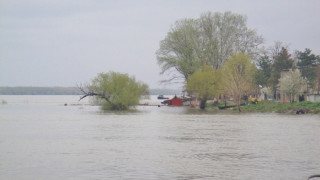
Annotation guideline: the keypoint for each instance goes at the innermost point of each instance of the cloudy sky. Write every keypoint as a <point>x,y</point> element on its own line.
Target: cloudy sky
<point>67,42</point>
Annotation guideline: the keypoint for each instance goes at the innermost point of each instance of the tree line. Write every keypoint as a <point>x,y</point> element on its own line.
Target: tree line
<point>66,91</point>
<point>218,54</point>
<point>213,56</point>
<point>39,91</point>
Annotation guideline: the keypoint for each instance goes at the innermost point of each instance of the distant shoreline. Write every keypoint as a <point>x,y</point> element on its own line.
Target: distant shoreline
<point>25,90</point>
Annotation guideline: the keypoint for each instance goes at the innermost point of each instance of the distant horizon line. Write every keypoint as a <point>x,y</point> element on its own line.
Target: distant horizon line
<point>59,90</point>
<point>67,87</point>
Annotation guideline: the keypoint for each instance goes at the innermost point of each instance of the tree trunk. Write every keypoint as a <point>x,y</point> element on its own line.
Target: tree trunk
<point>291,98</point>
<point>203,104</point>
<point>239,109</point>
<point>239,102</point>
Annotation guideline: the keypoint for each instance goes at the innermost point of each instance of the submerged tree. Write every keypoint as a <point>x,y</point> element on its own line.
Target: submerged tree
<point>211,39</point>
<point>118,91</point>
<point>291,84</point>
<point>238,79</point>
<point>204,84</point>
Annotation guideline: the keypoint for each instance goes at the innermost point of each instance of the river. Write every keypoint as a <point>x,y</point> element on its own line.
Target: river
<point>40,138</point>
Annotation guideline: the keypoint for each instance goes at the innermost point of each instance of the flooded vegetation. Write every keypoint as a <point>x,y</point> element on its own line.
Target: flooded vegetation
<point>245,102</point>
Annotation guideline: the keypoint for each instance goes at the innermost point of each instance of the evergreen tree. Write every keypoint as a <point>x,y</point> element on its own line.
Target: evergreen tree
<point>282,61</point>
<point>307,63</point>
<point>263,74</point>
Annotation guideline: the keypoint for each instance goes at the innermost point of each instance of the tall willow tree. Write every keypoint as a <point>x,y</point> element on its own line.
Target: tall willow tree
<point>179,51</point>
<point>210,39</point>
<point>226,34</point>
<point>238,78</point>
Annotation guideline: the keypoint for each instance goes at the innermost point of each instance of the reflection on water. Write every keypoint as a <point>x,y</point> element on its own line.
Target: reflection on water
<point>47,140</point>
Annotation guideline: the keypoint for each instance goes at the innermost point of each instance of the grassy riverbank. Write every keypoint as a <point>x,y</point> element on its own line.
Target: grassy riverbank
<point>292,108</point>
<point>267,106</point>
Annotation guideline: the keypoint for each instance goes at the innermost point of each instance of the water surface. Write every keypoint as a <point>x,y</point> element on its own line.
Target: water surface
<point>40,138</point>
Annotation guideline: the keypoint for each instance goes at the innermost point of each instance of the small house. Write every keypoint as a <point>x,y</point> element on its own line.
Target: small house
<point>313,97</point>
<point>174,101</point>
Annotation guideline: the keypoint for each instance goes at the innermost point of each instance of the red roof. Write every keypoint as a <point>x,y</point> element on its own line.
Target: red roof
<point>175,102</point>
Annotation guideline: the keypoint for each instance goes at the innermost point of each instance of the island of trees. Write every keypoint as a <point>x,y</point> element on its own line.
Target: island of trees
<point>217,57</point>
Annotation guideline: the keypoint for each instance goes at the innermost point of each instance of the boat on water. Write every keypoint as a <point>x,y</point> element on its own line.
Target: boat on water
<point>162,97</point>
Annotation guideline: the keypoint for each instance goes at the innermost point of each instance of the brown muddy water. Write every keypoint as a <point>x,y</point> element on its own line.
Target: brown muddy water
<point>40,138</point>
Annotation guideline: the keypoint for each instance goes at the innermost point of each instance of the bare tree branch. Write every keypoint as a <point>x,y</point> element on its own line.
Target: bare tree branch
<point>85,92</point>
<point>90,92</point>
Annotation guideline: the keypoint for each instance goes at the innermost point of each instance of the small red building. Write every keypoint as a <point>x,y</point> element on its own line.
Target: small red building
<point>175,101</point>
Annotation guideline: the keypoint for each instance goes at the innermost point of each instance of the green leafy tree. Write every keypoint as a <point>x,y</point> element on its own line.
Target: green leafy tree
<point>204,84</point>
<point>210,39</point>
<point>118,91</point>
<point>226,34</point>
<point>282,61</point>
<point>292,83</point>
<point>179,51</point>
<point>238,78</point>
<point>307,63</point>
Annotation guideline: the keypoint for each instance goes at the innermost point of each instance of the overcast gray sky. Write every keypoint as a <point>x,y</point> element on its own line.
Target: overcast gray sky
<point>65,42</point>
